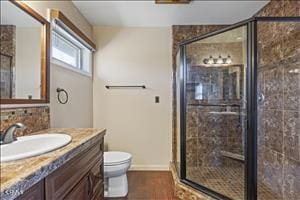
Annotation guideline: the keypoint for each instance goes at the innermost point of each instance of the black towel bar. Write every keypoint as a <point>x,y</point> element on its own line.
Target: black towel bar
<point>125,86</point>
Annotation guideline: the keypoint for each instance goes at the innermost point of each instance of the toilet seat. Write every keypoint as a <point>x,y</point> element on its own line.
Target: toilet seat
<point>112,158</point>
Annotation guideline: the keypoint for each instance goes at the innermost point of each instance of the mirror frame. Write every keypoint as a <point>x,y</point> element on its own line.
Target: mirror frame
<point>45,58</point>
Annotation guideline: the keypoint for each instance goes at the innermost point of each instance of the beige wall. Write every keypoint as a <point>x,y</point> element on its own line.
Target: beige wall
<point>133,56</point>
<point>28,62</point>
<point>78,112</point>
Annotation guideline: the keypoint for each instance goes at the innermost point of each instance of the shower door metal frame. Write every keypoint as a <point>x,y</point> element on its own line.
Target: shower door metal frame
<point>251,87</point>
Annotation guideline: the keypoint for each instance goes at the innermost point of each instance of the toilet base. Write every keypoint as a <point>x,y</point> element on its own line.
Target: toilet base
<point>116,186</point>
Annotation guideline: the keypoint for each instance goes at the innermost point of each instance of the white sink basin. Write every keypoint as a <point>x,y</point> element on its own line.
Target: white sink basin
<point>33,145</point>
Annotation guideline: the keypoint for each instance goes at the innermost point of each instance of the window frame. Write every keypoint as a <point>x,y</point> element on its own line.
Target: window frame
<point>84,57</point>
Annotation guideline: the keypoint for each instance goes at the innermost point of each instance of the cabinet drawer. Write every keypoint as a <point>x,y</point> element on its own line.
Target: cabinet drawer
<point>60,182</point>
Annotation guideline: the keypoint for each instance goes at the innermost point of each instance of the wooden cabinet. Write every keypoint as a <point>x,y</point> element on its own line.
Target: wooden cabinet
<point>36,192</point>
<point>80,178</point>
<point>97,181</point>
<point>90,186</point>
<point>81,191</point>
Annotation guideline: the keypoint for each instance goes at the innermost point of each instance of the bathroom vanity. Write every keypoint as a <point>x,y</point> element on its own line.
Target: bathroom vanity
<point>74,171</point>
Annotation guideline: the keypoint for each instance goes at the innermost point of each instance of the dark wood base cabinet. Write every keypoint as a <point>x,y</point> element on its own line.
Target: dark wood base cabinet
<point>81,178</point>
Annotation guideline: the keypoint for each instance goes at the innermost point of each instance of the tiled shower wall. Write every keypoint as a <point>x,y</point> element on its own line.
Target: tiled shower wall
<point>279,112</point>
<point>7,51</point>
<point>209,133</point>
<point>277,170</point>
<point>35,119</point>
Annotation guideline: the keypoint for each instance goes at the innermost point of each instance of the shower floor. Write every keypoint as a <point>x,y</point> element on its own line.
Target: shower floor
<point>228,181</point>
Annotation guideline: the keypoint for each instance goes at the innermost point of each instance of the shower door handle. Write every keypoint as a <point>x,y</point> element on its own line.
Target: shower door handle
<point>261,98</point>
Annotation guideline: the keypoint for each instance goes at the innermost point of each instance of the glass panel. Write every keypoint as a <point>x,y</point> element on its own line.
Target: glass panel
<point>278,110</point>
<point>65,51</point>
<point>216,112</point>
<point>178,131</point>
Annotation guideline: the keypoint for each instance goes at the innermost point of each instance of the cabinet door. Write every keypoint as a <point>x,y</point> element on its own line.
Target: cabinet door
<point>81,191</point>
<point>36,192</point>
<point>96,180</point>
<point>64,179</point>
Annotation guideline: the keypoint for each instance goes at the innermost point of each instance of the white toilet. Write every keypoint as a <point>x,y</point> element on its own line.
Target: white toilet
<point>116,164</point>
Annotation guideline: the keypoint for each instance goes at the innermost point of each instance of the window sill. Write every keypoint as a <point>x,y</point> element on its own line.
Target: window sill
<point>66,66</point>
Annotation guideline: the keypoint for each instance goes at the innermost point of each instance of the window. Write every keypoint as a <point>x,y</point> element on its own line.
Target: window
<point>68,51</point>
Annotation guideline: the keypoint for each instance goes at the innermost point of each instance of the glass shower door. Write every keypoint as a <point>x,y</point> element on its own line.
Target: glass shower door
<point>215,112</point>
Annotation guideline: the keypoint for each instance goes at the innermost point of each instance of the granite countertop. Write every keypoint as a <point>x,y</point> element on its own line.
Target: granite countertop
<point>18,176</point>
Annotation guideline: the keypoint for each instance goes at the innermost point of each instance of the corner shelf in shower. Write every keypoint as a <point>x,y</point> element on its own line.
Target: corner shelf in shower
<point>212,104</point>
<point>234,156</point>
<point>224,113</point>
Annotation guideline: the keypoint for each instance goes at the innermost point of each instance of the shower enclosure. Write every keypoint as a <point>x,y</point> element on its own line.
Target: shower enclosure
<point>233,88</point>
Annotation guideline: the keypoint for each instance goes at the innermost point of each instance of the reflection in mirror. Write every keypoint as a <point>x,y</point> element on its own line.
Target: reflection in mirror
<point>218,83</point>
<point>21,37</point>
<point>215,68</point>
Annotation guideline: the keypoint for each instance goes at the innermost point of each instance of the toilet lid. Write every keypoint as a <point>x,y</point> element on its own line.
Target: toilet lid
<point>116,157</point>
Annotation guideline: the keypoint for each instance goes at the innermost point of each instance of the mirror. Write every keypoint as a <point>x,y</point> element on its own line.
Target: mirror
<point>24,52</point>
<point>217,83</point>
<point>216,68</point>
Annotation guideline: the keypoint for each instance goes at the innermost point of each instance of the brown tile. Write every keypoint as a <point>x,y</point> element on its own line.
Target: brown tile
<point>292,135</point>
<point>260,82</point>
<point>270,48</point>
<point>273,130</point>
<point>292,8</point>
<point>291,84</point>
<point>273,101</point>
<point>209,151</point>
<point>291,182</point>
<point>274,79</point>
<point>191,152</point>
<point>271,167</point>
<point>260,127</point>
<point>273,8</point>
<point>291,39</point>
<point>191,122</point>
<point>273,87</point>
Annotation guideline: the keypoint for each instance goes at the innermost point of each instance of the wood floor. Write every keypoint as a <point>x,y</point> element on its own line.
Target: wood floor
<point>144,185</point>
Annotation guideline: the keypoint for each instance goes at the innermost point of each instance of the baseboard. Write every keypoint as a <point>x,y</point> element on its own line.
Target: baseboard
<point>149,168</point>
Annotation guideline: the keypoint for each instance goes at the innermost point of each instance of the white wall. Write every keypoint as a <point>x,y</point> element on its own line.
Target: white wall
<point>78,112</point>
<point>133,56</point>
<point>28,62</point>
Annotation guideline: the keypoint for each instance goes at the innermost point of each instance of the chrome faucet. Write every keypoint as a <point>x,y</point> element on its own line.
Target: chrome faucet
<point>9,135</point>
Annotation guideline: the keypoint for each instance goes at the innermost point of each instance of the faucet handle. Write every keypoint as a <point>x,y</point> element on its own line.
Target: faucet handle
<point>9,135</point>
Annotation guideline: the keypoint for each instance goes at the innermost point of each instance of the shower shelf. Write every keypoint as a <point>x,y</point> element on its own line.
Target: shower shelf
<point>225,113</point>
<point>213,104</point>
<point>234,156</point>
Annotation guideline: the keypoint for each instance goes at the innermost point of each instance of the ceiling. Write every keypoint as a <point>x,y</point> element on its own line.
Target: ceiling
<point>147,13</point>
